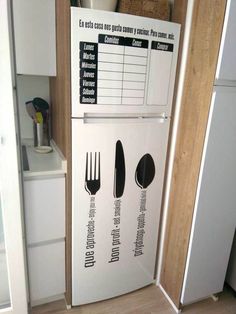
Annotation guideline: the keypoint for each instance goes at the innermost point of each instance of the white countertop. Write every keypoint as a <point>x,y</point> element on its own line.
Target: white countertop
<point>49,164</point>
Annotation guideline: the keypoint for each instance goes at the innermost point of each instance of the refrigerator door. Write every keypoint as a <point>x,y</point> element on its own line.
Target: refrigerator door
<point>121,63</point>
<point>118,169</point>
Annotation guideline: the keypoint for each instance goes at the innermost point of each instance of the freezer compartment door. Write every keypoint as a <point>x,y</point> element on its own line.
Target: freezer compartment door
<point>118,168</point>
<point>116,68</point>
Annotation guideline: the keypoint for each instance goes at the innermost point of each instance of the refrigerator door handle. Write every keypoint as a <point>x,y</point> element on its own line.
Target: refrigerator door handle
<point>140,119</point>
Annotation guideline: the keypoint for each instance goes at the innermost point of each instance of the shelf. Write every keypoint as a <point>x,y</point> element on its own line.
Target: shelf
<point>49,164</point>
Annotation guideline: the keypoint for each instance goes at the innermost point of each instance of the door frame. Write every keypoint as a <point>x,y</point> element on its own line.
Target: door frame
<point>10,179</point>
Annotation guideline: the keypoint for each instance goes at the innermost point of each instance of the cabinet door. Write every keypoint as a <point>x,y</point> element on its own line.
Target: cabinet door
<point>226,68</point>
<point>215,215</point>
<point>115,222</point>
<point>44,209</point>
<point>46,272</point>
<point>35,37</point>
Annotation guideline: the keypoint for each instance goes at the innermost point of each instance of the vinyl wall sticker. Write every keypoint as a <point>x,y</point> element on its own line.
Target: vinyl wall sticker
<point>118,190</point>
<point>144,175</point>
<point>92,185</point>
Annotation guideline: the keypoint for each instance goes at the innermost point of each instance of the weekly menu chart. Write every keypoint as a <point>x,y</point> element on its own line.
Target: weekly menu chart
<point>118,59</point>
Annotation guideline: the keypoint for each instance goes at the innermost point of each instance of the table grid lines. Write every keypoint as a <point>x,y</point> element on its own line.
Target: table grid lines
<point>128,76</point>
<point>121,54</point>
<point>123,75</point>
<point>144,65</point>
<point>121,72</point>
<point>121,80</point>
<point>116,70</point>
<point>120,88</point>
<point>113,96</point>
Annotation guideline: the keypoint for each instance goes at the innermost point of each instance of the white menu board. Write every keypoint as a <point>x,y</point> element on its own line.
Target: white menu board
<point>121,63</point>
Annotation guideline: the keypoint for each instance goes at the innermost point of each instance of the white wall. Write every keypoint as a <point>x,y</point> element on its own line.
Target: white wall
<point>29,87</point>
<point>4,285</point>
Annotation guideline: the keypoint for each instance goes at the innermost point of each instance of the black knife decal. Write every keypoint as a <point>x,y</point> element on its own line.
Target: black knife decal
<point>119,171</point>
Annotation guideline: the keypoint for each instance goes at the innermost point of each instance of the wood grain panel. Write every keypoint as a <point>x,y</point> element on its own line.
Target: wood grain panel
<point>148,300</point>
<point>205,35</point>
<point>178,17</point>
<point>60,91</point>
<point>157,9</point>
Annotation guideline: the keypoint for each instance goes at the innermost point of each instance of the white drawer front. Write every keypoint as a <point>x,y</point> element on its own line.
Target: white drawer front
<point>45,209</point>
<point>46,270</point>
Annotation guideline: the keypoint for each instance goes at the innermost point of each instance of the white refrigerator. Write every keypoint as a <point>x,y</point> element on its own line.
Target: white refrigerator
<point>123,70</point>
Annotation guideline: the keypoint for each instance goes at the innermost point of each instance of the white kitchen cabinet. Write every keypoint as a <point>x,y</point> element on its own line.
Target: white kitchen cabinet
<point>45,236</point>
<point>226,68</point>
<point>45,209</point>
<point>35,38</point>
<point>214,215</point>
<point>46,265</point>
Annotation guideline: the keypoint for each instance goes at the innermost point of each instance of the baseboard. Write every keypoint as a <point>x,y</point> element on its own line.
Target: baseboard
<point>47,300</point>
<point>4,305</point>
<point>169,299</point>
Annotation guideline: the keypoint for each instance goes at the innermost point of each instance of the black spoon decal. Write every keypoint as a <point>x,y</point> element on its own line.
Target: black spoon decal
<point>144,175</point>
<point>145,171</point>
